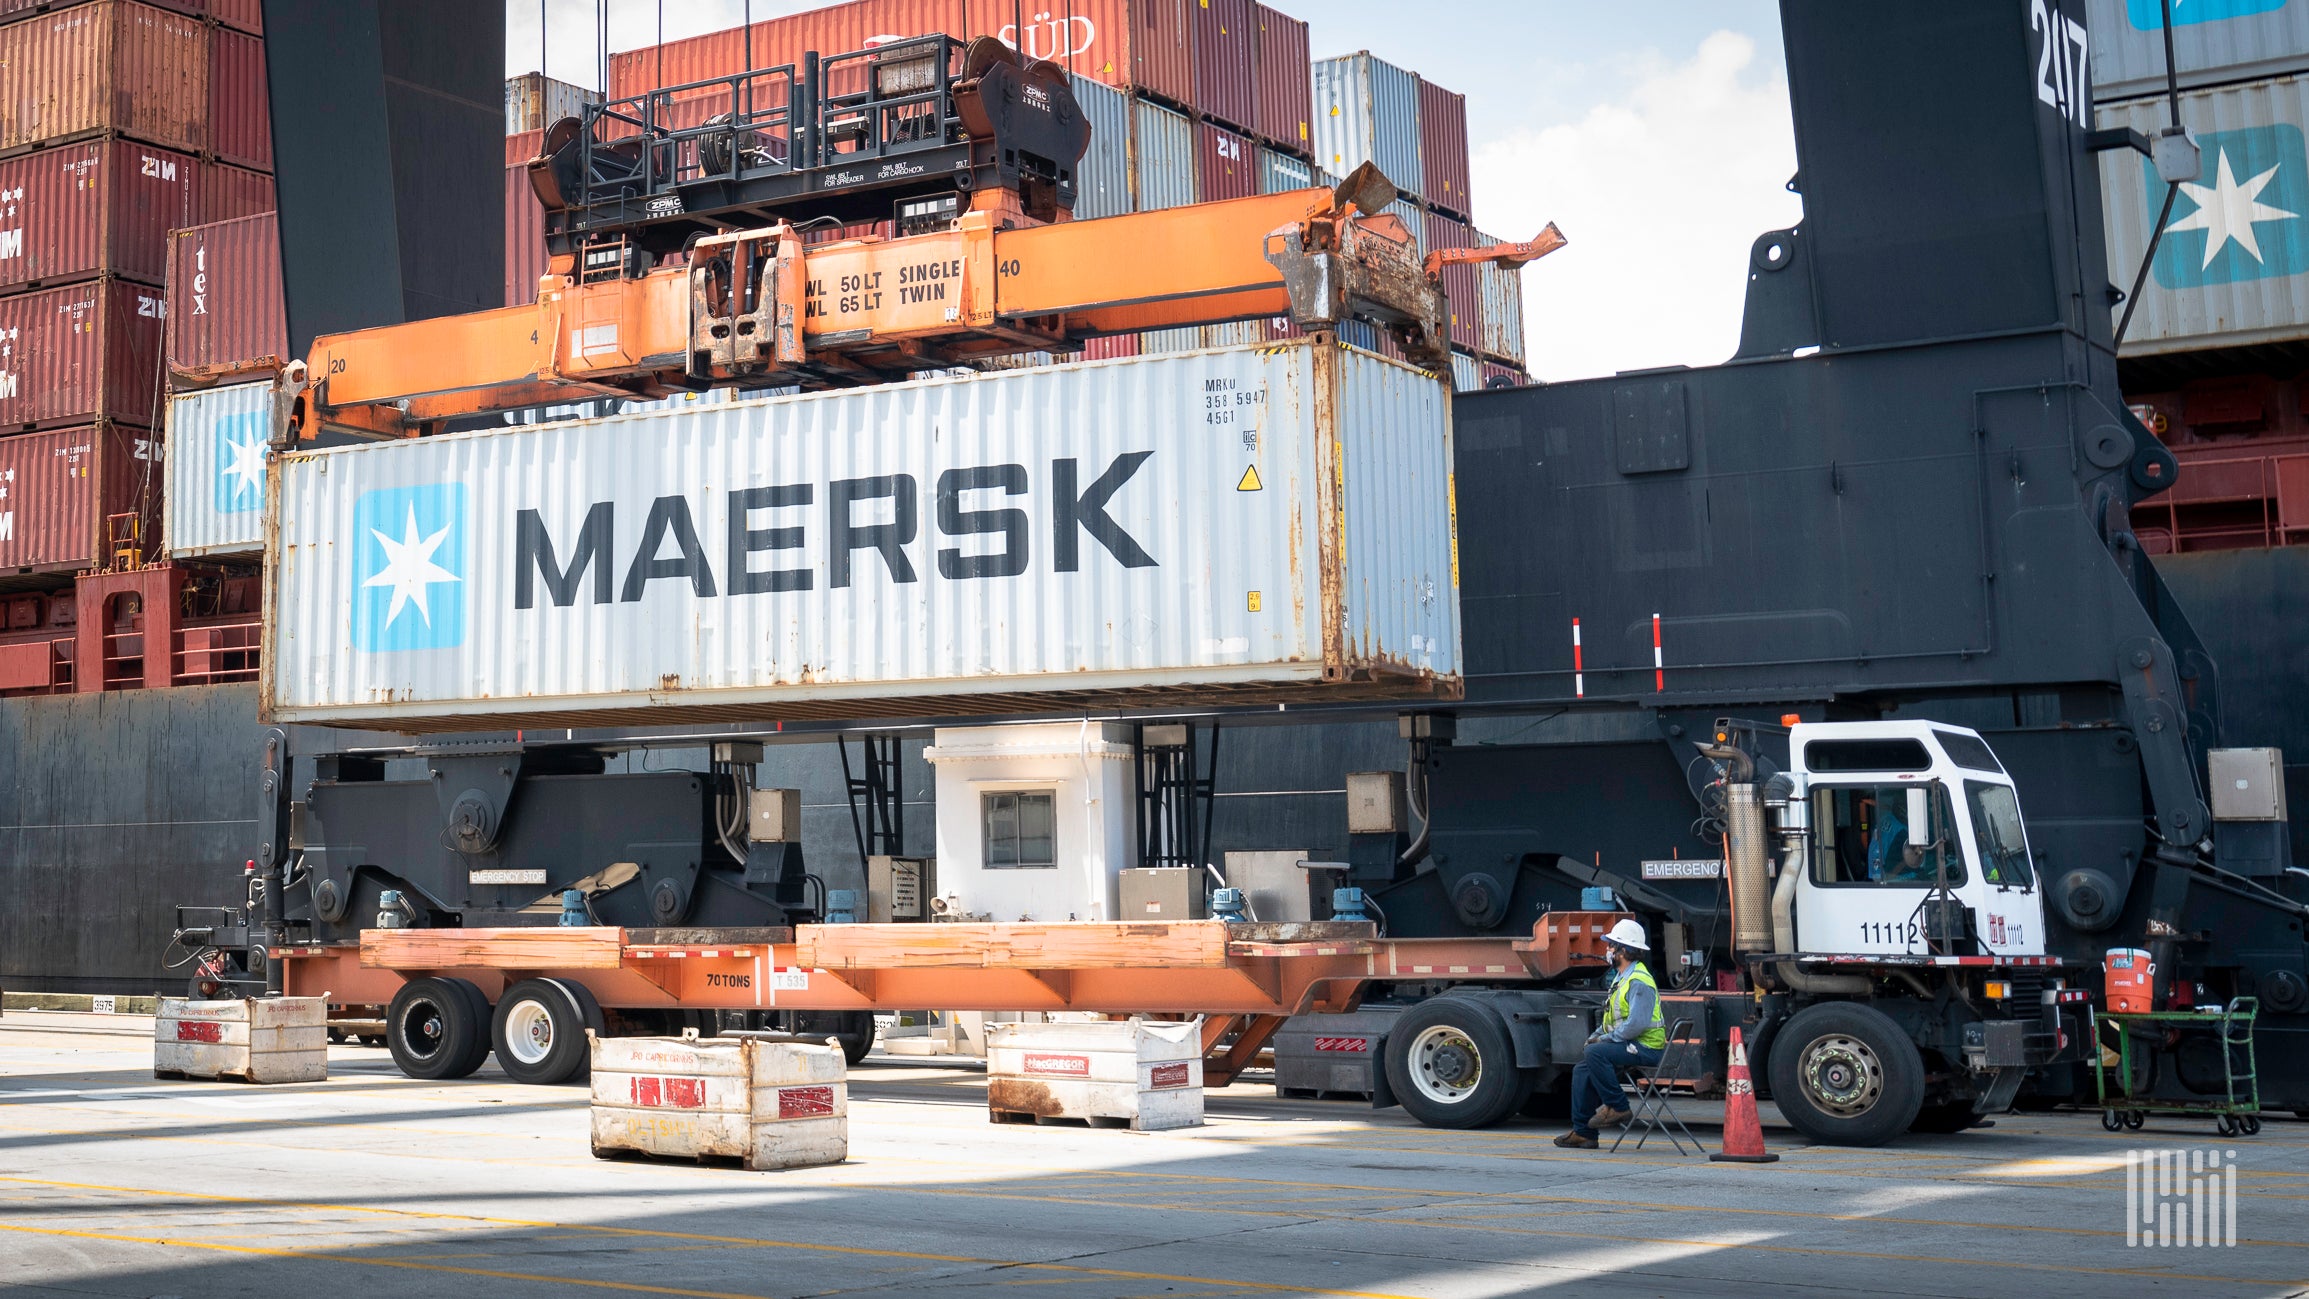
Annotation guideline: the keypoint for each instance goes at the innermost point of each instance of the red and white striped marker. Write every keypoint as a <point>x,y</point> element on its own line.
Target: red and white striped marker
<point>1578,676</point>
<point>1659,666</point>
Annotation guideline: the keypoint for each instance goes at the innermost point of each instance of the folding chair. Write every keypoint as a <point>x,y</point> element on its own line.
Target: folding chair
<point>1650,1111</point>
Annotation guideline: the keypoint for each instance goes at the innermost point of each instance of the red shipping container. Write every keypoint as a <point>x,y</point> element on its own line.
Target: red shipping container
<point>240,15</point>
<point>11,9</point>
<point>524,238</point>
<point>1136,44</point>
<point>1496,375</point>
<point>1443,147</point>
<point>99,206</point>
<point>230,192</point>
<point>1110,347</point>
<point>56,489</point>
<point>1284,92</point>
<point>110,65</point>
<point>1226,35</point>
<point>225,311</point>
<point>1226,164</point>
<point>240,123</point>
<point>1461,284</point>
<point>521,146</point>
<point>86,351</point>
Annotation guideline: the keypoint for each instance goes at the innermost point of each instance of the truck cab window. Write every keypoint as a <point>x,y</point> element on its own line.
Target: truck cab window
<point>1996,827</point>
<point>1864,838</point>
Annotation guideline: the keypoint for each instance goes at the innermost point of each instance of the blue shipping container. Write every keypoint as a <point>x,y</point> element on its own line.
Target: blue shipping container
<point>1163,157</point>
<point>1367,110</point>
<point>1102,179</point>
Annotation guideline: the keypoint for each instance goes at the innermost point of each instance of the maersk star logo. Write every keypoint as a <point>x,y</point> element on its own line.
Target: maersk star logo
<point>409,568</point>
<point>2246,218</point>
<point>240,464</point>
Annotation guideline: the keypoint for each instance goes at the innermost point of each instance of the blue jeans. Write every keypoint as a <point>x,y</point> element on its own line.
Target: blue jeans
<point>1595,1080</point>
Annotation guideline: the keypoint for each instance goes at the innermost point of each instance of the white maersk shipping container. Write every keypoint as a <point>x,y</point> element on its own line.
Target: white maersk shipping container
<point>2233,267</point>
<point>1268,523</point>
<point>214,471</point>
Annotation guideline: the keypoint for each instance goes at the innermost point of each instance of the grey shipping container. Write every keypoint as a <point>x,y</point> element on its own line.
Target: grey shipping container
<point>2213,43</point>
<point>534,101</point>
<point>214,471</point>
<point>1280,173</point>
<point>1367,110</point>
<point>1501,288</point>
<point>2233,266</point>
<point>1184,339</point>
<point>465,581</point>
<point>1102,185</point>
<point>1162,150</point>
<point>1466,372</point>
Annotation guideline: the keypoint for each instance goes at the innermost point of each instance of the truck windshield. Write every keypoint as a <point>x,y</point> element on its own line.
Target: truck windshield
<point>1996,825</point>
<point>1864,838</point>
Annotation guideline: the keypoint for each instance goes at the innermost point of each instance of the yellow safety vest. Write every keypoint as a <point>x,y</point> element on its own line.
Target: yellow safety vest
<point>1616,1009</point>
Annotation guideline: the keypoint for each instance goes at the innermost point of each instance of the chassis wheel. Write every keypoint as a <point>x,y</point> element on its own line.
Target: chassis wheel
<point>852,1030</point>
<point>1845,1075</point>
<point>539,1032</point>
<point>1451,1065</point>
<point>438,1028</point>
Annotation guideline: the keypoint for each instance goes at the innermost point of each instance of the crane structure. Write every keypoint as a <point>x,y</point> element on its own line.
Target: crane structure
<point>680,257</point>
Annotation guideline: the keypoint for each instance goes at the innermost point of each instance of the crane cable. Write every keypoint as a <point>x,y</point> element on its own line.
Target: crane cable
<point>2172,187</point>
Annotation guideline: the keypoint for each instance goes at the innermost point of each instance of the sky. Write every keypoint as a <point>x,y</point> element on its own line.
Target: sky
<point>1654,134</point>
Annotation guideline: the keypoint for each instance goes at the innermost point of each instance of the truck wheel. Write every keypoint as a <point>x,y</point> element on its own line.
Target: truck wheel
<point>1451,1065</point>
<point>852,1030</point>
<point>539,1032</point>
<point>479,1054</point>
<point>432,1026</point>
<point>1845,1075</point>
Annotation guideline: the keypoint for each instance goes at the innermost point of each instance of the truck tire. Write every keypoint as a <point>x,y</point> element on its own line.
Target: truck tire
<point>1451,1064</point>
<point>539,1032</point>
<point>478,1053</point>
<point>432,1026</point>
<point>1845,1075</point>
<point>852,1030</point>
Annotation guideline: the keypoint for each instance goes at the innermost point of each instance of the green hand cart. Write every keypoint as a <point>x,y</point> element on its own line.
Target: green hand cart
<point>2123,1083</point>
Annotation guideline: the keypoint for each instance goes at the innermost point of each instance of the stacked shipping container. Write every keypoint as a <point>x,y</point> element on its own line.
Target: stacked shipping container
<point>1188,100</point>
<point>122,121</point>
<point>2210,360</point>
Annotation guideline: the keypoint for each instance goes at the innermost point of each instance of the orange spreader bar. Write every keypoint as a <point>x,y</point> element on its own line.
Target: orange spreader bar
<point>869,310</point>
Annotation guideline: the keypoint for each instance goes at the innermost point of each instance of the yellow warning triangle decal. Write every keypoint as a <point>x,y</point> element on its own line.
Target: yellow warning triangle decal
<point>1250,480</point>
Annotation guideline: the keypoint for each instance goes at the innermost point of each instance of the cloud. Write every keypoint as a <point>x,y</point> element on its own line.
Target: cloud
<point>1660,189</point>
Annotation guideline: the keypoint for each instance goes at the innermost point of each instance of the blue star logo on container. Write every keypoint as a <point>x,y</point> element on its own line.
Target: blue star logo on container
<point>2246,217</point>
<point>409,568</point>
<point>2149,15</point>
<point>240,464</point>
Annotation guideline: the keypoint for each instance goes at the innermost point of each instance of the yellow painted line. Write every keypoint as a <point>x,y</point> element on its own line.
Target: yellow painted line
<point>1269,1287</point>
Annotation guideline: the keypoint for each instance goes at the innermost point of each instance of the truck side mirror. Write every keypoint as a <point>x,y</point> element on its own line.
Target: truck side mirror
<point>1919,816</point>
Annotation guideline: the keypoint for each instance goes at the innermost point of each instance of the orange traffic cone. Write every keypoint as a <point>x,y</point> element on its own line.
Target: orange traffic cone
<point>1743,1135</point>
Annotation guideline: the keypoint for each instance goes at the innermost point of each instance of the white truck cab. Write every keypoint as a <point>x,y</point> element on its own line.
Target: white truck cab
<point>1883,814</point>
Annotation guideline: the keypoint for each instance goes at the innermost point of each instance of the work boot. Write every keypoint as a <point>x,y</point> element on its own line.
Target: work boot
<point>1607,1117</point>
<point>1574,1141</point>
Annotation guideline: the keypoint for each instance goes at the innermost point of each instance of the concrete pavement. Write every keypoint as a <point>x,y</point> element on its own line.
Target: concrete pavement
<point>113,1184</point>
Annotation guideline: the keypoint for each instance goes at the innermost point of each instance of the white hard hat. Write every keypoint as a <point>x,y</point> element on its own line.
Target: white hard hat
<point>1628,934</point>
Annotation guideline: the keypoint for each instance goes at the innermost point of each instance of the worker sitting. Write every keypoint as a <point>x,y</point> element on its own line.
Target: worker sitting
<point>1632,1035</point>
